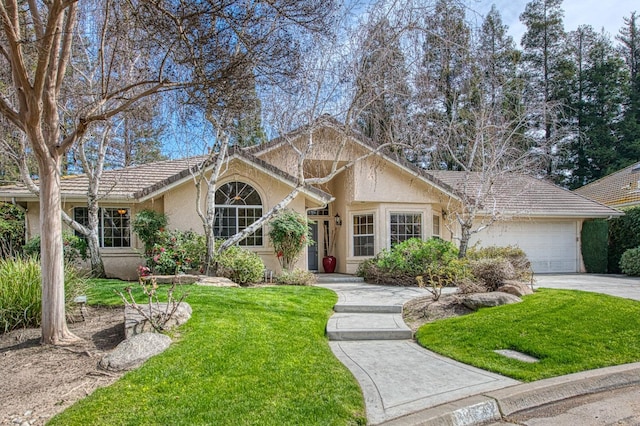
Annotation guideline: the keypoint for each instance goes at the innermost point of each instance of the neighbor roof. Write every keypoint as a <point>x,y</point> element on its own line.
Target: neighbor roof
<point>138,183</point>
<point>520,195</point>
<point>619,189</point>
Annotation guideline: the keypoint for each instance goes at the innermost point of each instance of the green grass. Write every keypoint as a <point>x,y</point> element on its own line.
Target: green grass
<point>254,356</point>
<point>569,331</point>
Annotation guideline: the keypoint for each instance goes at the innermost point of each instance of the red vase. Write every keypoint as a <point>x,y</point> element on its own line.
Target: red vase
<point>329,264</point>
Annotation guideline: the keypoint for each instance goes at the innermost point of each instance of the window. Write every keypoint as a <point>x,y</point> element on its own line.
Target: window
<point>436,226</point>
<point>363,243</point>
<point>320,212</point>
<point>113,225</point>
<point>238,205</point>
<point>405,226</point>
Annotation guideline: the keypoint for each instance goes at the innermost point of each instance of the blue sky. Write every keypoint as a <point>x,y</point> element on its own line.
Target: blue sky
<point>597,13</point>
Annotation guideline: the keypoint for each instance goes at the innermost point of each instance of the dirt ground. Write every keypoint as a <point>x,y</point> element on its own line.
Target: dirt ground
<point>40,381</point>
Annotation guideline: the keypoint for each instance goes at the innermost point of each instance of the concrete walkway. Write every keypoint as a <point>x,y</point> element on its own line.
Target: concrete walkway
<point>397,376</point>
<point>405,385</point>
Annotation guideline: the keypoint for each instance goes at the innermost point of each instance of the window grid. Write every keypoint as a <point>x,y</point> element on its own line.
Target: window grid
<point>238,205</point>
<point>363,235</point>
<point>113,228</point>
<point>405,226</point>
<point>436,225</point>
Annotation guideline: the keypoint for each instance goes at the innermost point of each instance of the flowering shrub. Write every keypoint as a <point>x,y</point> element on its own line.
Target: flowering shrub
<point>176,252</point>
<point>148,225</point>
<point>289,233</point>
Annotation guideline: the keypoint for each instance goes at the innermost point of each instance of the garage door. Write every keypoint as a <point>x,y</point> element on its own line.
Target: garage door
<point>551,246</point>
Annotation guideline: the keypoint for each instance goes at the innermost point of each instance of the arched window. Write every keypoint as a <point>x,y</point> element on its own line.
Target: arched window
<point>238,205</point>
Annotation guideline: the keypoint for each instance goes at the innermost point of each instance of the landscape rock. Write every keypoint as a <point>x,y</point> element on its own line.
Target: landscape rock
<point>216,282</point>
<point>476,301</point>
<point>135,323</point>
<point>134,351</point>
<point>170,279</point>
<point>516,288</point>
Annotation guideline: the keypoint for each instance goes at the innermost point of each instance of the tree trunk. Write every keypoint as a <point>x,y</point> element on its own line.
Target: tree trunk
<point>464,240</point>
<point>97,266</point>
<point>54,325</point>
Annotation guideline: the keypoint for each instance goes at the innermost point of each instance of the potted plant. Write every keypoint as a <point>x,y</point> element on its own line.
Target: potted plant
<point>329,262</point>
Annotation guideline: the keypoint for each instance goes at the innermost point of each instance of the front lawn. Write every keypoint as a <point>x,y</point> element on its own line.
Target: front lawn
<point>247,356</point>
<point>569,331</point>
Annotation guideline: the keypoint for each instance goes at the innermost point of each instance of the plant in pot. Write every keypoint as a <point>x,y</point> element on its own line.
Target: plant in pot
<point>329,262</point>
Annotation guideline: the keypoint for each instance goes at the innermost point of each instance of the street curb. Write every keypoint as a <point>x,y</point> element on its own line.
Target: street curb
<point>493,406</point>
<point>530,395</point>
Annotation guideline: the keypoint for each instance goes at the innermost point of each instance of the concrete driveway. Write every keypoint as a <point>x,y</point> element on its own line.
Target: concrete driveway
<point>615,285</point>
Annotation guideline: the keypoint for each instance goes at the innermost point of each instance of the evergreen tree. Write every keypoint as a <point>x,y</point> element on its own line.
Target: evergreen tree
<point>593,106</point>
<point>247,124</point>
<point>381,81</point>
<point>629,128</point>
<point>543,45</point>
<point>443,80</point>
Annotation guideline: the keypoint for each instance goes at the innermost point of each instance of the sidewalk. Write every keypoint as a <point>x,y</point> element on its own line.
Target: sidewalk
<point>404,384</point>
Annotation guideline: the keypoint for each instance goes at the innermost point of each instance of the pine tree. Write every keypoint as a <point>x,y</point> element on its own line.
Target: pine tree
<point>543,45</point>
<point>629,128</point>
<point>381,81</point>
<point>593,106</point>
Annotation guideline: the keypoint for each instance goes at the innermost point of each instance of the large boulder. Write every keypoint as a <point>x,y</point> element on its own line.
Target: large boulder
<point>134,351</point>
<point>516,288</point>
<point>136,323</point>
<point>476,301</point>
<point>216,282</point>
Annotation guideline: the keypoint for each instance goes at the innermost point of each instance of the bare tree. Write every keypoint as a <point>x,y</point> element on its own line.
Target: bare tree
<point>36,45</point>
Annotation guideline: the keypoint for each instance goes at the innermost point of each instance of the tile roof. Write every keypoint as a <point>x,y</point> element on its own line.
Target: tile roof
<point>618,189</point>
<point>138,182</point>
<point>520,195</point>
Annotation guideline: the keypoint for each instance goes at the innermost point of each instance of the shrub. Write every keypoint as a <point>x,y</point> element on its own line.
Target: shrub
<point>148,224</point>
<point>74,247</point>
<point>630,262</point>
<point>438,275</point>
<point>594,237</point>
<point>20,292</point>
<point>290,234</point>
<point>471,286</point>
<point>404,261</point>
<point>240,265</point>
<point>296,277</point>
<point>11,230</point>
<point>624,234</point>
<point>492,272</point>
<point>515,255</point>
<point>176,252</point>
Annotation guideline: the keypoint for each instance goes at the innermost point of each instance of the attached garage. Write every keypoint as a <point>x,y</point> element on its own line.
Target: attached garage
<point>552,246</point>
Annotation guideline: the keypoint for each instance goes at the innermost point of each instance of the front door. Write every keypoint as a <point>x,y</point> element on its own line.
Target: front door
<point>312,250</point>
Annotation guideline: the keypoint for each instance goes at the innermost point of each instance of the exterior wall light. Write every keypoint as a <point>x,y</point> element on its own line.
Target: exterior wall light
<point>338,219</point>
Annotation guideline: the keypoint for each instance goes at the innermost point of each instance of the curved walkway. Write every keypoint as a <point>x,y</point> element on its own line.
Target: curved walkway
<point>405,385</point>
<point>397,376</point>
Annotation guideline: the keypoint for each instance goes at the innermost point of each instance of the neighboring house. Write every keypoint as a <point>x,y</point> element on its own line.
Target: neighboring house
<point>377,201</point>
<point>619,189</point>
